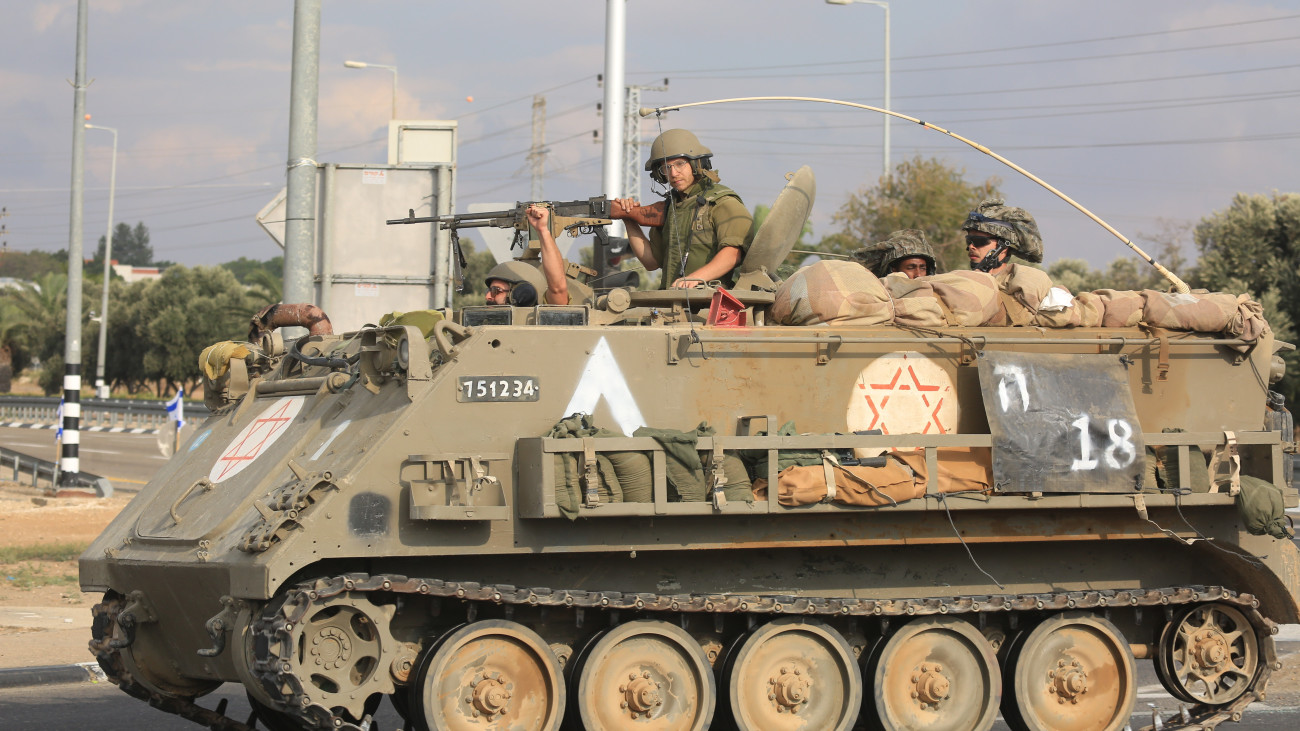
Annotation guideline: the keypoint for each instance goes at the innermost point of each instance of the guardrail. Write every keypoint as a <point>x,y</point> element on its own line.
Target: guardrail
<point>111,415</point>
<point>41,468</point>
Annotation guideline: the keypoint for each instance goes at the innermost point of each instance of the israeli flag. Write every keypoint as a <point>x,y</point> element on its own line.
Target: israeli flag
<point>58,421</point>
<point>176,409</point>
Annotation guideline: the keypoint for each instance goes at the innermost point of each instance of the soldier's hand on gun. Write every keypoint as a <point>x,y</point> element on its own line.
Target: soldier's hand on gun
<point>623,206</point>
<point>537,216</point>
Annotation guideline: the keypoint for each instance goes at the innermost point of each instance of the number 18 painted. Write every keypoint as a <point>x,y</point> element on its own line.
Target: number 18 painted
<point>1121,435</point>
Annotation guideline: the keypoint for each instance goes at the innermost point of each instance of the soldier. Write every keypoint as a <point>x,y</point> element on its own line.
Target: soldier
<point>557,288</point>
<point>514,282</point>
<point>518,283</point>
<point>706,229</point>
<point>994,233</point>
<point>904,251</point>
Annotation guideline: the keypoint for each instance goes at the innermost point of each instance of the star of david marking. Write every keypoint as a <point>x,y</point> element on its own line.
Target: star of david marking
<point>263,430</point>
<point>913,383</point>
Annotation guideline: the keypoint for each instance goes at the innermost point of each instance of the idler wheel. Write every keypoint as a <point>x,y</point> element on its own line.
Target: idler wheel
<point>488,676</point>
<point>1208,654</point>
<point>1074,671</point>
<point>937,673</point>
<point>794,672</point>
<point>645,674</point>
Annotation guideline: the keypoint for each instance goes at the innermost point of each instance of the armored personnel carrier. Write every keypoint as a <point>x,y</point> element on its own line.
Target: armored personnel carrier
<point>665,511</point>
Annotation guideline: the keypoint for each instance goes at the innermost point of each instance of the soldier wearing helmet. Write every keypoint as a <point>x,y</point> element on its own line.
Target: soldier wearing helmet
<point>904,251</point>
<point>514,282</point>
<point>519,282</point>
<point>706,227</point>
<point>994,233</point>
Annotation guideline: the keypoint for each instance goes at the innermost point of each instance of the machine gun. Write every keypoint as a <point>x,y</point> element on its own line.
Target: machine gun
<point>573,216</point>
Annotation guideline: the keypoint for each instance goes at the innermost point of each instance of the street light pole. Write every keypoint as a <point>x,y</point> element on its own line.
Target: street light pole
<point>884,5</point>
<point>101,389</point>
<point>364,65</point>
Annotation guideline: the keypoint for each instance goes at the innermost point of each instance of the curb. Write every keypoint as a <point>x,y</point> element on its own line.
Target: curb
<point>85,672</point>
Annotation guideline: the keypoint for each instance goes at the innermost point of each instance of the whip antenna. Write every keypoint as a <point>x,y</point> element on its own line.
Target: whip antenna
<point>1179,285</point>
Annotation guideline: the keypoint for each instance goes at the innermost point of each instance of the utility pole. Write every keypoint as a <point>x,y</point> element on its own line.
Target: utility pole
<point>615,62</point>
<point>632,140</point>
<point>537,155</point>
<point>300,204</point>
<point>70,450</point>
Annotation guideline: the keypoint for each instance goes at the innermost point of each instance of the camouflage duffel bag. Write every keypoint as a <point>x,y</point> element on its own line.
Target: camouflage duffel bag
<point>958,298</point>
<point>832,293</point>
<point>1208,312</point>
<point>1120,308</point>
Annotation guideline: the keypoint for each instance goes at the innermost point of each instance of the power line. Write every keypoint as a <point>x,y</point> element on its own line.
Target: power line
<point>1004,64</point>
<point>1181,77</point>
<point>507,102</point>
<point>978,51</point>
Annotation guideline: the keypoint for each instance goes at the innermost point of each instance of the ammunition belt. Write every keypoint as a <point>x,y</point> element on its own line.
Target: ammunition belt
<point>276,623</point>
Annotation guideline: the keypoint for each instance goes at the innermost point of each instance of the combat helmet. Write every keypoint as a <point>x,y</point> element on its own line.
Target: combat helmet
<point>677,143</point>
<point>1014,227</point>
<point>516,273</point>
<point>881,256</point>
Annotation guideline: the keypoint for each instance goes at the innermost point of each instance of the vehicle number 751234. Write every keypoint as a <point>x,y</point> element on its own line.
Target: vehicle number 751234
<point>498,388</point>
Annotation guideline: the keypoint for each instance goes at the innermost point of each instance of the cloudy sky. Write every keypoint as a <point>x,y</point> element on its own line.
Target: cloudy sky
<point>1145,112</point>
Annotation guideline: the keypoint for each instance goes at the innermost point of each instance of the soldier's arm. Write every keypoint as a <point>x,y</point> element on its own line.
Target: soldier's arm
<point>636,239</point>
<point>557,289</point>
<point>716,268</point>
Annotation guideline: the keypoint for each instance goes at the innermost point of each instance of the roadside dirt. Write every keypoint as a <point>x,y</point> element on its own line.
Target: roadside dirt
<point>30,518</point>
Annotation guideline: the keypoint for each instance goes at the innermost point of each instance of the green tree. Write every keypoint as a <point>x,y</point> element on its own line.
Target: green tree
<point>926,194</point>
<point>29,265</point>
<point>186,310</point>
<point>12,356</point>
<point>130,246</point>
<point>264,288</point>
<point>37,324</point>
<point>246,269</point>
<point>41,307</point>
<point>1253,246</point>
<point>123,361</point>
<point>1129,272</point>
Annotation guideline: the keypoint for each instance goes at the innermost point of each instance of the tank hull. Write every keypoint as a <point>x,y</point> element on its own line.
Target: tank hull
<point>421,498</point>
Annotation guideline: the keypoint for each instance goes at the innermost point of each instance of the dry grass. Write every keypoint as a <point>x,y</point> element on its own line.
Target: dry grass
<point>33,567</point>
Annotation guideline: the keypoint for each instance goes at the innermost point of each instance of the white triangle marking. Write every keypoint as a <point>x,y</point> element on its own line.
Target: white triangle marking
<point>603,377</point>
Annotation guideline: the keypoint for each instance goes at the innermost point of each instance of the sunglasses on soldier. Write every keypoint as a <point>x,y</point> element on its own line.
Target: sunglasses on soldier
<point>979,241</point>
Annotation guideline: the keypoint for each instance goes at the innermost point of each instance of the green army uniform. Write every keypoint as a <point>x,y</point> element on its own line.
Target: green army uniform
<point>705,220</point>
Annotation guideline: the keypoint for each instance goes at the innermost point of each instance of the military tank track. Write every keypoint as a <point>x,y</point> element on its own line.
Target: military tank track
<point>282,667</point>
<point>106,644</point>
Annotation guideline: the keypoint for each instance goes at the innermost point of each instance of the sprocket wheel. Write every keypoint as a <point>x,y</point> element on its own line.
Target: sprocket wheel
<point>340,653</point>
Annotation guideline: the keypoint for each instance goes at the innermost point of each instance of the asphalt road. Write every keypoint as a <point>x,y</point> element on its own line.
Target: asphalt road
<point>128,460</point>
